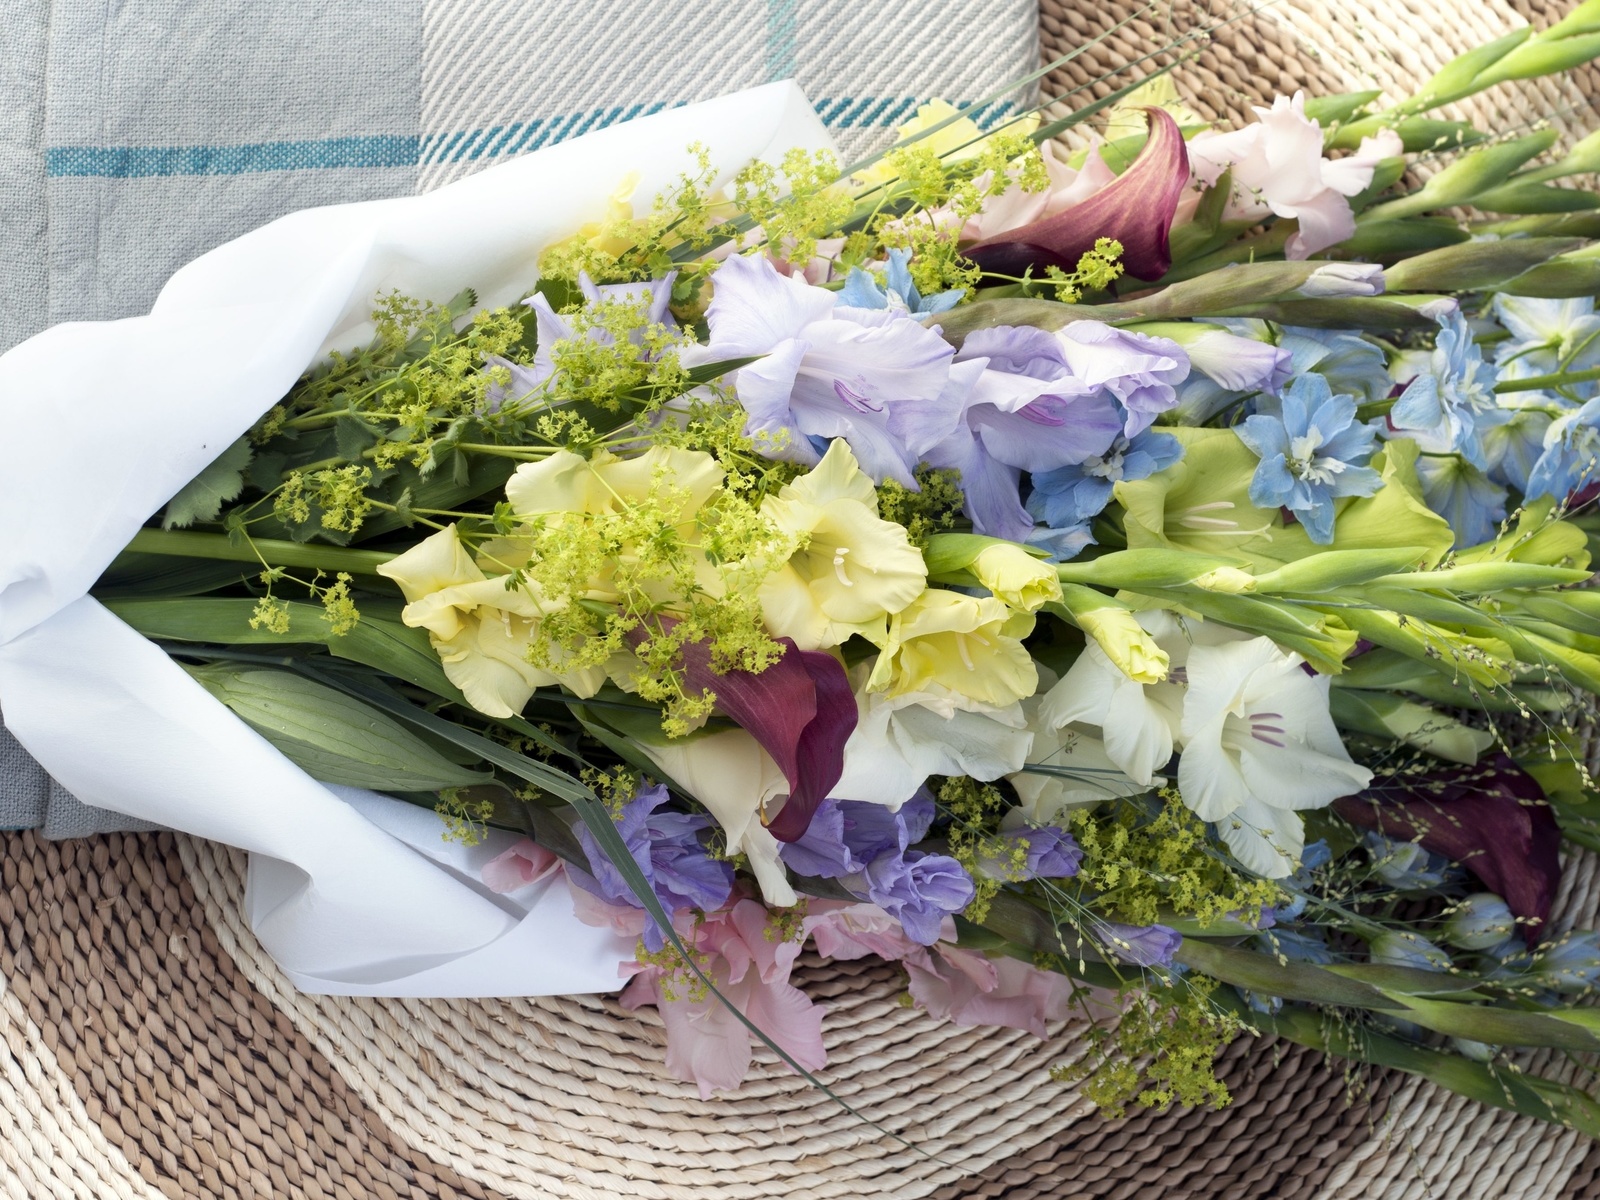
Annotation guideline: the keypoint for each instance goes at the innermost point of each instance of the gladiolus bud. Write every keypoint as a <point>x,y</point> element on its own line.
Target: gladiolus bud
<point>1472,173</point>
<point>1117,631</point>
<point>1571,964</point>
<point>1017,577</point>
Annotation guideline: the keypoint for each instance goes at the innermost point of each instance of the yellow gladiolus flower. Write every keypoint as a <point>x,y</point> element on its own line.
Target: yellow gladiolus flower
<point>480,629</point>
<point>852,570</point>
<point>966,649</point>
<point>1016,576</point>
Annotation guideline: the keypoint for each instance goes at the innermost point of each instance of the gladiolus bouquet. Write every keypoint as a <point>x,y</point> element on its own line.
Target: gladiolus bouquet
<point>1142,581</point>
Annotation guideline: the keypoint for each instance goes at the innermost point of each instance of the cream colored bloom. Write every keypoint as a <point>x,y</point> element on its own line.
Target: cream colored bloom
<point>1017,577</point>
<point>565,488</point>
<point>853,569</point>
<point>737,781</point>
<point>960,648</point>
<point>480,629</point>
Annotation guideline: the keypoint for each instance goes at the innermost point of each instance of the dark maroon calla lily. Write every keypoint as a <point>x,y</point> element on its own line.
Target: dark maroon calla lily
<point>1492,818</point>
<point>800,709</point>
<point>1136,209</point>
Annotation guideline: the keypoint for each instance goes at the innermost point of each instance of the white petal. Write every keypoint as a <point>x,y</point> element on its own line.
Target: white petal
<point>1218,676</point>
<point>1208,778</point>
<point>1083,692</point>
<point>1265,840</point>
<point>1138,734</point>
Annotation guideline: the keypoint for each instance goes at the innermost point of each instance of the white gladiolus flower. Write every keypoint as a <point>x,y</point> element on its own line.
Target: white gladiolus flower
<point>1258,744</point>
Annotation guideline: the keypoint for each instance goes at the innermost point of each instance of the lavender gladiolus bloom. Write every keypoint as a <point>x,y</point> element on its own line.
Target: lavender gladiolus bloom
<point>1240,364</point>
<point>1141,371</point>
<point>897,293</point>
<point>1138,945</point>
<point>919,890</point>
<point>826,370</point>
<point>1440,408</point>
<point>552,327</point>
<point>1311,455</point>
<point>1042,852</point>
<point>666,846</point>
<point>1025,411</point>
<point>1073,494</point>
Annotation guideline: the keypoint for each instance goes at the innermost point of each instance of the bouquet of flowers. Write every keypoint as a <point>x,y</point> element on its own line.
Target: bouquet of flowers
<point>1142,581</point>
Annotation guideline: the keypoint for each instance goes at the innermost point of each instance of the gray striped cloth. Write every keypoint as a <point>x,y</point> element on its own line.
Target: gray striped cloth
<point>136,135</point>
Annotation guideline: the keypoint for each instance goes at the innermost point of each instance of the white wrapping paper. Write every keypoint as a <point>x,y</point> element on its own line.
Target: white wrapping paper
<point>351,892</point>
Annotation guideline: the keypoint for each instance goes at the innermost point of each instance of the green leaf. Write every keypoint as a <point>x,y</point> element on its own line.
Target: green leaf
<point>202,498</point>
<point>353,436</point>
<point>333,737</point>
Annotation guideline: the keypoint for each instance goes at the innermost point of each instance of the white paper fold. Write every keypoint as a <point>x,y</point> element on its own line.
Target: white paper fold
<point>102,423</point>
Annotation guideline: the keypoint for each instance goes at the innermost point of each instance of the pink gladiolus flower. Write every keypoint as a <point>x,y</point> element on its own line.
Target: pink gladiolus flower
<point>706,1044</point>
<point>1278,168</point>
<point>524,863</point>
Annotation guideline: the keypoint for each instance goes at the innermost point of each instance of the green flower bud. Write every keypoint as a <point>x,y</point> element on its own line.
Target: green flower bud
<point>1112,624</point>
<point>1471,266</point>
<point>1389,716</point>
<point>1472,173</point>
<point>1542,57</point>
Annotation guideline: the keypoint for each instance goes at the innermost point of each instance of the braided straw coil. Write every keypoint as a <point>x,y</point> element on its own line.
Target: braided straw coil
<point>152,1049</point>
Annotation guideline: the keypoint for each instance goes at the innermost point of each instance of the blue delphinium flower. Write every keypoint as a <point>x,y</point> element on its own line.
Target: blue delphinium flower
<point>1073,494</point>
<point>1316,854</point>
<point>897,292</point>
<point>666,846</point>
<point>1406,866</point>
<point>1513,436</point>
<point>1313,453</point>
<point>1441,406</point>
<point>1571,457</point>
<point>1571,963</point>
<point>1463,495</point>
<point>1352,365</point>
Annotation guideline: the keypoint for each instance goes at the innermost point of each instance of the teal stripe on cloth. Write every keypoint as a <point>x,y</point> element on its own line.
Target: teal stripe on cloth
<point>394,150</point>
<point>132,162</point>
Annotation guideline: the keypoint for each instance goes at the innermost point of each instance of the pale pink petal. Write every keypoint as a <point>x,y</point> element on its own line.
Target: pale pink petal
<point>974,964</point>
<point>592,910</point>
<point>524,863</point>
<point>787,1016</point>
<point>1353,173</point>
<point>1325,220</point>
<point>1023,997</point>
<point>706,1044</point>
<point>1085,182</point>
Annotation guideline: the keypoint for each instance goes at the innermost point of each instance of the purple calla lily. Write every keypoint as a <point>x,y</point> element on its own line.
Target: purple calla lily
<point>1136,210</point>
<point>800,709</point>
<point>1491,817</point>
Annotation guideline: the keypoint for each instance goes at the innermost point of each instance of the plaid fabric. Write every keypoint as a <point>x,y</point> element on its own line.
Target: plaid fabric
<point>137,135</point>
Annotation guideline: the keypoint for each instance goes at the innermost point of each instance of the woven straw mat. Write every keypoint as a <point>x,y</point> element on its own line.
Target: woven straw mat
<point>151,1048</point>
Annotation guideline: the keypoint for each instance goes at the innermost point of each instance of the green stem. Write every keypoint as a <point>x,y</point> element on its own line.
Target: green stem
<point>1537,382</point>
<point>524,453</point>
<point>183,544</point>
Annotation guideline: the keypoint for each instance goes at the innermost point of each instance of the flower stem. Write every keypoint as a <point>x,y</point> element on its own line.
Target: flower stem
<point>1536,382</point>
<point>184,544</point>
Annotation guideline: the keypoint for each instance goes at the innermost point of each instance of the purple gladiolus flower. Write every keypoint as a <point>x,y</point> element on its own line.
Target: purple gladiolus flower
<point>553,328</point>
<point>1047,852</point>
<point>919,890</point>
<point>1140,370</point>
<point>666,846</point>
<point>1138,945</point>
<point>846,835</point>
<point>826,370</point>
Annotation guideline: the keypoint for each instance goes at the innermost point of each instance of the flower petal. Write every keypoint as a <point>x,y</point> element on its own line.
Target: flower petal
<point>1136,210</point>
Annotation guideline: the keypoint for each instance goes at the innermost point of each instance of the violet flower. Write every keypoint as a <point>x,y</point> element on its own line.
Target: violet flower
<point>666,846</point>
<point>1036,852</point>
<point>1138,945</point>
<point>846,835</point>
<point>827,370</point>
<point>919,890</point>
